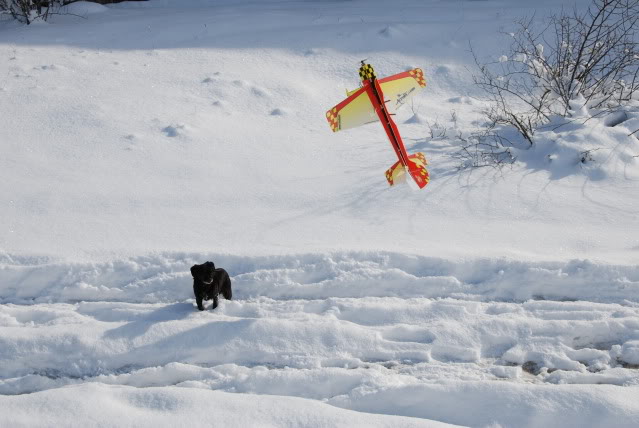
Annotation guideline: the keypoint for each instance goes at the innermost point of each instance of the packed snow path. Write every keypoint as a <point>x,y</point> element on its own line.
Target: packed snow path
<point>338,328</point>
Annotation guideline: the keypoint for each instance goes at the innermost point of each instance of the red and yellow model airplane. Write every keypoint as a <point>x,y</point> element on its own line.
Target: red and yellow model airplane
<point>379,99</point>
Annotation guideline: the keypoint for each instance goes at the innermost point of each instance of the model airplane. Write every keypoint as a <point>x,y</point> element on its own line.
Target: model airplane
<point>379,99</point>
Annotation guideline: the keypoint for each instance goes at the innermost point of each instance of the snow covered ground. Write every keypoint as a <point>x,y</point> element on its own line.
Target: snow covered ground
<point>141,138</point>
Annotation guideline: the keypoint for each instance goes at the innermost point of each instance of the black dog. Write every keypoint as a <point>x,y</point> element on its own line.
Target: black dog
<point>208,282</point>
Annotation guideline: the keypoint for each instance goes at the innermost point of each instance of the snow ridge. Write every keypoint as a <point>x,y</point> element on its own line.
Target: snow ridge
<point>165,277</point>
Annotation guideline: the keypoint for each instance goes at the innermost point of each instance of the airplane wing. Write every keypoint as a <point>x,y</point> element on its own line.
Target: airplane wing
<point>401,87</point>
<point>357,109</point>
<point>354,111</point>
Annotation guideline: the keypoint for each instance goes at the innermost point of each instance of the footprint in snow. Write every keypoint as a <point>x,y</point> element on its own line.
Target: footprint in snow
<point>260,92</point>
<point>210,79</point>
<point>173,130</point>
<point>461,100</point>
<point>255,90</point>
<point>388,32</point>
<point>131,138</point>
<point>442,69</point>
<point>278,112</point>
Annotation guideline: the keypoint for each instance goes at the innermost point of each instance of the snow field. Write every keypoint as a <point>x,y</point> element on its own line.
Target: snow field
<point>152,115</point>
<point>155,135</point>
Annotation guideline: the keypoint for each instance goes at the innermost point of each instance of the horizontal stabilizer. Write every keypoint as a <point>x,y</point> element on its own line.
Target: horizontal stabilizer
<point>416,168</point>
<point>396,174</point>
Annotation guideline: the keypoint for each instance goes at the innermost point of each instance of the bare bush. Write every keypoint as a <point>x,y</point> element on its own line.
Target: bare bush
<point>19,9</point>
<point>579,59</point>
<point>28,11</point>
<point>436,130</point>
<point>485,148</point>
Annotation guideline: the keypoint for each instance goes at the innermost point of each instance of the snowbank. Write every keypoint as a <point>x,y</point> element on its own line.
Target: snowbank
<point>508,405</point>
<point>539,364</point>
<point>594,144</point>
<point>322,345</point>
<point>84,8</point>
<point>166,278</point>
<point>100,405</point>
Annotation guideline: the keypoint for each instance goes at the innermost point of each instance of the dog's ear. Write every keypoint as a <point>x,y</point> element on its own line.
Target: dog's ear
<point>194,270</point>
<point>211,265</point>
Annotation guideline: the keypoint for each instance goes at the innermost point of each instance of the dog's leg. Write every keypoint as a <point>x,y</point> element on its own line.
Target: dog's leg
<point>200,306</point>
<point>214,302</point>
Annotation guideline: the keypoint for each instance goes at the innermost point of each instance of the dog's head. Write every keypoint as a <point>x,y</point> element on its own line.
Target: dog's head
<point>204,272</point>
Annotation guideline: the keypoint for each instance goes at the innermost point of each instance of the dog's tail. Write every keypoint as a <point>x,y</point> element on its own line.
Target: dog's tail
<point>226,289</point>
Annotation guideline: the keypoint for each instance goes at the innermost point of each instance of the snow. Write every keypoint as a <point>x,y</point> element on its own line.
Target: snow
<point>150,120</point>
<point>83,8</point>
<point>171,406</point>
<point>141,138</point>
<point>419,356</point>
<point>166,278</point>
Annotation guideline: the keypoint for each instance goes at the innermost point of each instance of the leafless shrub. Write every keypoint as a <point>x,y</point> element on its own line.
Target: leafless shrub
<point>586,155</point>
<point>19,9</point>
<point>578,59</point>
<point>436,130</point>
<point>485,148</point>
<point>28,11</point>
<point>453,118</point>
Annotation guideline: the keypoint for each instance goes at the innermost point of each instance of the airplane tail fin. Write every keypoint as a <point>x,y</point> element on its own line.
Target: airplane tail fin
<point>416,168</point>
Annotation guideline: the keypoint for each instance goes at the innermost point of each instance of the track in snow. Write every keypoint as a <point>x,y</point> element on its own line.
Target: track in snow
<point>349,329</point>
<point>260,344</point>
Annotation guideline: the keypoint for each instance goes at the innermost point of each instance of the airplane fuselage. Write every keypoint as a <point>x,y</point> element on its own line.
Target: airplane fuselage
<point>376,95</point>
